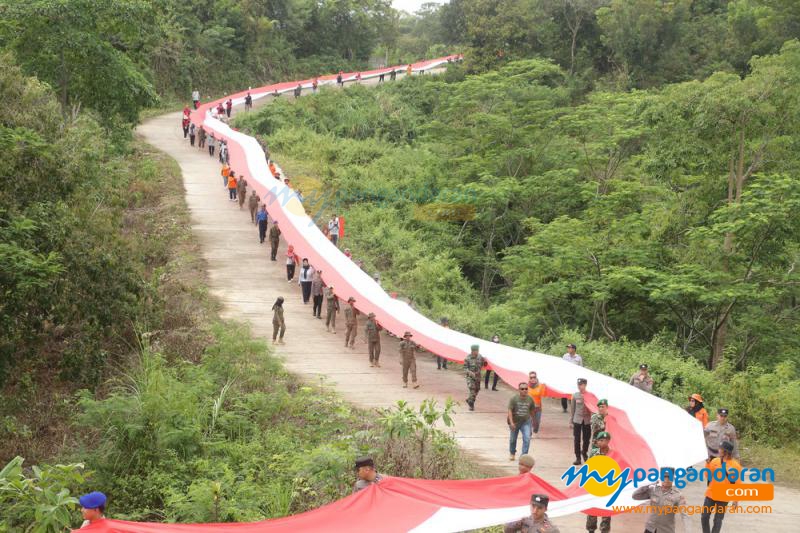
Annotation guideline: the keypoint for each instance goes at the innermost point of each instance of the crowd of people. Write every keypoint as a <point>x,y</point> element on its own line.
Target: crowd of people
<point>524,411</point>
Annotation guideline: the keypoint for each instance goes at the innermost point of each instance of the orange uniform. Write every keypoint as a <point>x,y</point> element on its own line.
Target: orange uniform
<point>716,464</point>
<point>702,416</point>
<point>537,393</point>
<point>231,182</point>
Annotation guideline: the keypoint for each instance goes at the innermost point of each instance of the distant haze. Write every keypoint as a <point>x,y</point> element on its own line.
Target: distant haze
<point>412,6</point>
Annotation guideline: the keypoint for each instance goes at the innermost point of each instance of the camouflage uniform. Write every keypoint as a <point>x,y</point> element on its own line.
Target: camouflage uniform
<point>591,521</point>
<point>252,203</point>
<point>351,323</point>
<point>598,424</point>
<point>332,308</point>
<point>529,525</point>
<point>274,239</point>
<point>372,332</point>
<point>409,361</point>
<point>472,371</point>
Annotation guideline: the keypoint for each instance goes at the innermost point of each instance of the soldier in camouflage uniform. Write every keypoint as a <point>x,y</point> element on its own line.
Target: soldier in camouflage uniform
<point>332,307</point>
<point>598,420</point>
<point>351,323</point>
<point>600,448</point>
<point>408,359</point>
<point>537,522</point>
<point>373,334</point>
<point>473,364</point>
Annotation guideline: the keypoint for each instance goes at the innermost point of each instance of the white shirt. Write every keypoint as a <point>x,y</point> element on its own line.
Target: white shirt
<point>574,359</point>
<point>195,95</point>
<point>333,226</point>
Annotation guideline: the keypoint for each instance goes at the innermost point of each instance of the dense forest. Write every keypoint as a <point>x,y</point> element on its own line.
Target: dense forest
<point>628,167</point>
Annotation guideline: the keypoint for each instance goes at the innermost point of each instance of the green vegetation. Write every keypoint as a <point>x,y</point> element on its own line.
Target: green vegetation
<point>660,222</point>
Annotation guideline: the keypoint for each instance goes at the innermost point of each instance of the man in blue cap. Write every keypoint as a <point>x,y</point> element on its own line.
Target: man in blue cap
<point>93,505</point>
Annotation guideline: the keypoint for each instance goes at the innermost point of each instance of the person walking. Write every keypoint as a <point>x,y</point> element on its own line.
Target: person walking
<point>261,219</point>
<point>642,380</point>
<point>196,98</point>
<point>441,362</point>
<point>248,102</point>
<point>278,324</point>
<point>536,391</point>
<point>697,409</point>
<point>663,495</point>
<point>226,173</point>
<point>274,239</point>
<point>212,143</point>
<point>241,191</point>
<point>331,308</point>
<point>496,340</point>
<point>305,278</point>
<point>372,331</point>
<point>228,107</point>
<point>340,79</point>
<point>575,359</point>
<point>408,359</point>
<point>185,125</point>
<point>392,75</point>
<point>727,462</point>
<point>409,70</point>
<point>351,323</point>
<point>252,204</point>
<point>292,260</point>
<point>314,85</point>
<point>232,184</point>
<point>381,77</point>
<point>473,363</point>
<point>719,431</point>
<point>201,138</point>
<point>333,229</point>
<point>298,91</point>
<point>602,448</point>
<point>580,422</point>
<point>537,522</point>
<point>316,294</point>
<point>598,421</point>
<point>192,133</point>
<point>518,418</point>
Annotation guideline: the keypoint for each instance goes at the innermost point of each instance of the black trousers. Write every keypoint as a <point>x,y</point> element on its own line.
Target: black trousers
<point>290,271</point>
<point>262,230</point>
<point>306,290</point>
<point>719,515</point>
<point>486,380</point>
<point>578,431</point>
<point>211,150</point>
<point>317,310</point>
<point>564,404</point>
<point>191,139</point>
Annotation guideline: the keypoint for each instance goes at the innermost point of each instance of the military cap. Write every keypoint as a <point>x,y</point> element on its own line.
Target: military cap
<point>444,321</point>
<point>643,366</point>
<point>527,460</point>
<point>603,435</point>
<point>371,315</point>
<point>93,500</point>
<point>572,346</point>
<point>602,402</point>
<point>540,500</point>
<point>582,381</point>
<point>474,347</point>
<point>351,299</point>
<point>722,411</point>
<point>727,446</point>
<point>364,461</point>
<point>408,334</point>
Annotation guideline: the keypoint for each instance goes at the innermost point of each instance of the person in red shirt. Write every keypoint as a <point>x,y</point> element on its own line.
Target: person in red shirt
<point>228,107</point>
<point>220,110</point>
